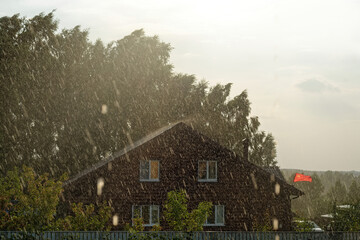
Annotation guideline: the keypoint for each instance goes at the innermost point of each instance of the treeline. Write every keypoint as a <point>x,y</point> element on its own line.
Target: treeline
<point>67,103</point>
<point>327,191</point>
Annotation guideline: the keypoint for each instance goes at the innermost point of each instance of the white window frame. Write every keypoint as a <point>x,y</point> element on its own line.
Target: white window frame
<point>216,220</point>
<point>150,179</point>
<point>207,171</point>
<point>150,215</point>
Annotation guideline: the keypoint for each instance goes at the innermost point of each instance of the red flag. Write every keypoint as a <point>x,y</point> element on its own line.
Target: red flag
<point>301,177</point>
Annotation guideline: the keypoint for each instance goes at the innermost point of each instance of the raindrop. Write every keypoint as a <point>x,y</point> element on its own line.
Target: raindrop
<point>100,185</point>
<point>277,189</point>
<point>272,178</point>
<point>275,224</point>
<point>104,109</point>
<point>109,166</point>
<point>115,220</point>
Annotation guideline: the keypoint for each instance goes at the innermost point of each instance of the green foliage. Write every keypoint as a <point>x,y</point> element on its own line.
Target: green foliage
<point>67,98</point>
<point>346,219</point>
<point>156,228</point>
<point>28,201</point>
<point>354,193</point>
<point>338,193</point>
<point>303,225</point>
<point>314,203</point>
<point>137,226</point>
<point>264,227</point>
<point>320,194</point>
<point>85,218</point>
<point>179,218</point>
<point>176,211</point>
<point>197,217</point>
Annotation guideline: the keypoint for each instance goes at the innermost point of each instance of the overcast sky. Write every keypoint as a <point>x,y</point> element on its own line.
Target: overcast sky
<point>299,61</point>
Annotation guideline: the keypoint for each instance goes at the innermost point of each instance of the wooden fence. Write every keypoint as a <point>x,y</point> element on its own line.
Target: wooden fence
<point>60,235</point>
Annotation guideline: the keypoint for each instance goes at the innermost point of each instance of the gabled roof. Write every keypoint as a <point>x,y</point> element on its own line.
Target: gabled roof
<point>151,136</point>
<point>276,171</point>
<point>126,149</point>
<point>278,177</point>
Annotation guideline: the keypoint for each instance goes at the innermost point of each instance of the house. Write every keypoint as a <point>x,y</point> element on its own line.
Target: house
<point>137,179</point>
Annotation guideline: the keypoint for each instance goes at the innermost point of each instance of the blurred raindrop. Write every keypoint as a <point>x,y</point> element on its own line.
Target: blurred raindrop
<point>272,178</point>
<point>109,166</point>
<point>100,185</point>
<point>277,189</point>
<point>275,224</point>
<point>104,109</point>
<point>115,220</point>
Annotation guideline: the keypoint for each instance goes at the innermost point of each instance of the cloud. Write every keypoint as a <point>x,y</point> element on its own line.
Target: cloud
<point>316,86</point>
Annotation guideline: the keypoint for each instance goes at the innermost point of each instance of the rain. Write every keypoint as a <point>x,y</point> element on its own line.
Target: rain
<point>111,136</point>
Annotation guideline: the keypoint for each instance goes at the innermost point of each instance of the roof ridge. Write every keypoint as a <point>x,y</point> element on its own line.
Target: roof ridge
<point>125,150</point>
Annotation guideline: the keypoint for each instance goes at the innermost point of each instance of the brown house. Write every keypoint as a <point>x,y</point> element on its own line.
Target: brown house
<point>137,179</point>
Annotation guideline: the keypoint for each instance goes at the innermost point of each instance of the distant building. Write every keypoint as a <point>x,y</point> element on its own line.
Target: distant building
<point>137,179</point>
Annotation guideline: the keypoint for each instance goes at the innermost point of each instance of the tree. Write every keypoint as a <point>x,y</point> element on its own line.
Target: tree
<point>346,219</point>
<point>179,218</point>
<point>28,68</point>
<point>354,193</point>
<point>338,193</point>
<point>85,218</point>
<point>314,202</point>
<point>68,103</point>
<point>28,202</point>
<point>303,225</point>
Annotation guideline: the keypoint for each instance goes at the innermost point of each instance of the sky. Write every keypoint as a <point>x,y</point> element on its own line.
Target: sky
<point>298,60</point>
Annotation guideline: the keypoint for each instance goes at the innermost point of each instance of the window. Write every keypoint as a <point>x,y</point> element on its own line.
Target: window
<point>217,218</point>
<point>149,214</point>
<point>207,171</point>
<point>149,170</point>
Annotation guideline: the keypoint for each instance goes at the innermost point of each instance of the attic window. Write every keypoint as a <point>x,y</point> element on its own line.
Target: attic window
<point>207,171</point>
<point>149,170</point>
